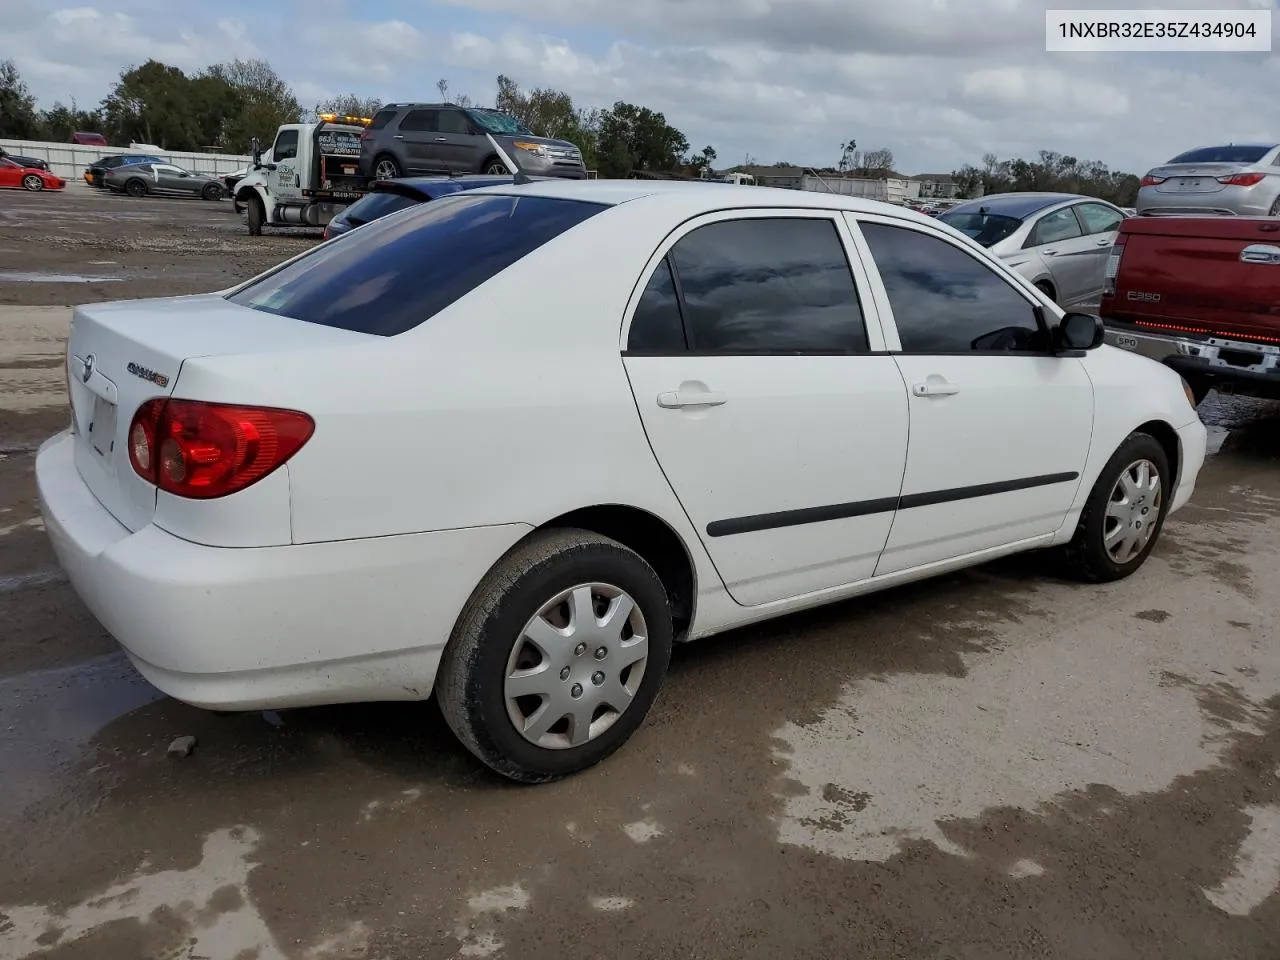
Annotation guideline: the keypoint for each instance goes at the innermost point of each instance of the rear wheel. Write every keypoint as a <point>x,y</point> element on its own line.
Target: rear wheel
<point>386,167</point>
<point>256,216</point>
<point>1200,388</point>
<point>135,188</point>
<point>1046,288</point>
<point>557,657</point>
<point>1122,519</point>
<point>32,182</point>
<point>211,192</point>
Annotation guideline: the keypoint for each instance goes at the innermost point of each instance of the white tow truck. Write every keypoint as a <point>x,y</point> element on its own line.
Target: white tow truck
<point>312,173</point>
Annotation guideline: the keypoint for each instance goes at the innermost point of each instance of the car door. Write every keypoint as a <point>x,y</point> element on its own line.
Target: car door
<point>1000,427</point>
<point>457,142</point>
<point>1057,239</point>
<point>173,180</point>
<point>1101,223</point>
<point>284,179</point>
<point>417,133</point>
<point>10,173</point>
<point>759,372</point>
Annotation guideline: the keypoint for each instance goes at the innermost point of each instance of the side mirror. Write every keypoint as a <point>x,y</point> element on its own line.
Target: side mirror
<point>255,147</point>
<point>1079,332</point>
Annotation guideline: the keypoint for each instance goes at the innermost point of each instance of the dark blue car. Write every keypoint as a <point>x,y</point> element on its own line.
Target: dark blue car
<point>388,196</point>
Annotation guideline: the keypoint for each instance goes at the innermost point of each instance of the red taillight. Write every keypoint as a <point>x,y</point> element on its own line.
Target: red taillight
<point>206,450</point>
<point>1150,181</point>
<point>1242,179</point>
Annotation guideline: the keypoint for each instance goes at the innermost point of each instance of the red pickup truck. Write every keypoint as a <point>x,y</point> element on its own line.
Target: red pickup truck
<point>1202,295</point>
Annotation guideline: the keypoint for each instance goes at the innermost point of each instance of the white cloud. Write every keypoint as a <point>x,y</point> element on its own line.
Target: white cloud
<point>940,82</point>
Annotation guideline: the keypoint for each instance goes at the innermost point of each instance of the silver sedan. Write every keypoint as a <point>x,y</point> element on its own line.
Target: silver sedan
<point>1058,241</point>
<point>1239,179</point>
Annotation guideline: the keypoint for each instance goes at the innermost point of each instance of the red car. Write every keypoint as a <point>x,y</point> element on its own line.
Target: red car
<point>15,176</point>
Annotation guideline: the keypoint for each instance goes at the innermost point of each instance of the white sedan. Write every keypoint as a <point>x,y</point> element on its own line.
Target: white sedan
<point>507,447</point>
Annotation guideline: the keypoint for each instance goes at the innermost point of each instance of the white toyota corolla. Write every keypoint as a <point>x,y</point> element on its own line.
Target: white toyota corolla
<point>506,447</point>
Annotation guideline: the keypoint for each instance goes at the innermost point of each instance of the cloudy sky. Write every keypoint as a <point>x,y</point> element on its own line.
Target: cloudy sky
<point>939,82</point>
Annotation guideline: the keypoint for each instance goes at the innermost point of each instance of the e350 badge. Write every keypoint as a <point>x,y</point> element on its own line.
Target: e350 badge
<point>159,379</point>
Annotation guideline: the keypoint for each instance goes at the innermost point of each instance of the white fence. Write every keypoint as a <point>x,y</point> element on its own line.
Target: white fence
<point>68,160</point>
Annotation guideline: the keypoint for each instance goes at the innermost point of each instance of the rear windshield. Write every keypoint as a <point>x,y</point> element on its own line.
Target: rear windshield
<point>378,204</point>
<point>986,228</point>
<point>1227,154</point>
<point>396,273</point>
<point>382,118</point>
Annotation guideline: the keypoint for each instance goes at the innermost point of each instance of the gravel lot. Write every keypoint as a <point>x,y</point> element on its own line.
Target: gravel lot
<point>995,764</point>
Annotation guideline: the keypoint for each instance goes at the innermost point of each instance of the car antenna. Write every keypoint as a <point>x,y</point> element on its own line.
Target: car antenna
<point>519,175</point>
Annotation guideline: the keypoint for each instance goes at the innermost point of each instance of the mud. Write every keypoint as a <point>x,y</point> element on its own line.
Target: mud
<point>994,764</point>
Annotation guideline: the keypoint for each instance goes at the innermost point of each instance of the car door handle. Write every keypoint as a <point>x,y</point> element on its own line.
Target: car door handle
<point>943,389</point>
<point>673,399</point>
<point>1260,253</point>
<point>442,139</point>
<point>1049,253</point>
<point>1105,243</point>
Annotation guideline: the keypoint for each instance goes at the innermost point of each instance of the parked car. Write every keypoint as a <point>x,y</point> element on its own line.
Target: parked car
<point>509,445</point>
<point>15,176</point>
<point>417,138</point>
<point>29,163</point>
<point>1238,179</point>
<point>88,139</point>
<point>1202,295</point>
<point>162,179</point>
<point>388,196</point>
<point>1058,241</point>
<point>96,173</point>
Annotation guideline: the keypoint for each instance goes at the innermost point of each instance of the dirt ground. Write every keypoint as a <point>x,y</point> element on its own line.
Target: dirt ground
<point>997,764</point>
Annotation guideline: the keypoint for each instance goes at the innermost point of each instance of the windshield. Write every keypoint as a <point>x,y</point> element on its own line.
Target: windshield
<point>1227,154</point>
<point>986,228</point>
<point>497,122</point>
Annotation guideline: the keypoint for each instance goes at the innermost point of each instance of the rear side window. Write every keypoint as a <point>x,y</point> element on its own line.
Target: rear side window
<point>382,118</point>
<point>378,204</point>
<point>394,274</point>
<point>769,285</point>
<point>452,121</point>
<point>1228,154</point>
<point>1099,219</point>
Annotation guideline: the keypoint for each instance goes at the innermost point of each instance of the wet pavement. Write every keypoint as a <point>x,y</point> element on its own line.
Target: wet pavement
<point>994,764</point>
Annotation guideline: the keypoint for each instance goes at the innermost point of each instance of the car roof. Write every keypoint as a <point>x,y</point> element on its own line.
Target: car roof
<point>1017,205</point>
<point>697,198</point>
<point>432,187</point>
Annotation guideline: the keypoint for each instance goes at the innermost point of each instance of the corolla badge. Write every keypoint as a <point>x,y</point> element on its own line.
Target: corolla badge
<point>138,370</point>
<point>89,362</point>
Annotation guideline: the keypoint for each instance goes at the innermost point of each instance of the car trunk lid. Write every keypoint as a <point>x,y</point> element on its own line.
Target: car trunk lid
<point>119,355</point>
<point>1193,178</point>
<point>1212,276</point>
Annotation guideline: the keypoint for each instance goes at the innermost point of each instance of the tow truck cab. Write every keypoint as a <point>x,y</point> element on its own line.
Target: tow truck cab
<point>312,174</point>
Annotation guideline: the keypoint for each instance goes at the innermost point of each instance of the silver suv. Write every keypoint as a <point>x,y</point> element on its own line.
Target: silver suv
<point>417,138</point>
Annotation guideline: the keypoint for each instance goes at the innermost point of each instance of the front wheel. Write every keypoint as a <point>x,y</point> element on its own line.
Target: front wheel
<point>211,192</point>
<point>494,167</point>
<point>33,183</point>
<point>557,657</point>
<point>1122,519</point>
<point>257,216</point>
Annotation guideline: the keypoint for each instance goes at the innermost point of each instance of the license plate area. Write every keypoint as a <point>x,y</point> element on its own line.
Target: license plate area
<point>102,427</point>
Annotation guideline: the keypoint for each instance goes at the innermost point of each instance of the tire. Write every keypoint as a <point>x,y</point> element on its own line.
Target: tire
<point>493,167</point>
<point>135,188</point>
<point>489,645</point>
<point>1200,388</point>
<point>255,215</point>
<point>211,192</point>
<point>1087,555</point>
<point>386,167</point>
<point>33,183</point>
<point>1047,289</point>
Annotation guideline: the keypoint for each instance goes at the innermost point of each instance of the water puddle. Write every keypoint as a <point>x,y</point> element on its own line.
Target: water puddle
<point>18,276</point>
<point>49,716</point>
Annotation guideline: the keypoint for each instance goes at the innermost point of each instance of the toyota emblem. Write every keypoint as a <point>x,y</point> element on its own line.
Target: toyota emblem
<point>89,361</point>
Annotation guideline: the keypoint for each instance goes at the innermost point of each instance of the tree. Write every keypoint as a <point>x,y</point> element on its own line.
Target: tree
<point>60,121</point>
<point>156,103</point>
<point>1051,171</point>
<point>877,162</point>
<point>551,113</point>
<point>18,119</point>
<point>261,101</point>
<point>350,105</point>
<point>636,138</point>
<point>850,158</point>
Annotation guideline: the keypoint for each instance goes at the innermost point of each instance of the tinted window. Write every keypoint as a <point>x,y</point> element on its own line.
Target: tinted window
<point>420,120</point>
<point>1099,218</point>
<point>286,147</point>
<point>1227,154</point>
<point>452,121</point>
<point>945,301</point>
<point>382,118</point>
<point>986,228</point>
<point>656,325</point>
<point>1055,227</point>
<point>769,285</point>
<point>377,204</point>
<point>393,274</point>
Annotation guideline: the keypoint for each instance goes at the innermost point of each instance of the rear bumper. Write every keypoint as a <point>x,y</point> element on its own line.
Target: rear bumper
<point>255,628</point>
<point>1253,370</point>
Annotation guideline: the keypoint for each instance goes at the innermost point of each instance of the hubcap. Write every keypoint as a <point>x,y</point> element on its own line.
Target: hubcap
<point>1132,511</point>
<point>496,169</point>
<point>385,170</point>
<point>560,691</point>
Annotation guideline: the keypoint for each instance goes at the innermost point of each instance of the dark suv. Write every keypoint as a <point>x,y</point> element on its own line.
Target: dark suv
<point>416,138</point>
